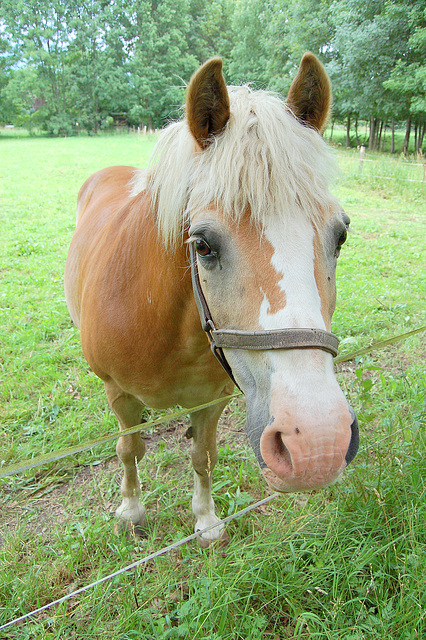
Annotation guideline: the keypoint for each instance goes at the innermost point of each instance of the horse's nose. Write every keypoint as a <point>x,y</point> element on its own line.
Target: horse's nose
<point>301,455</point>
<point>354,443</point>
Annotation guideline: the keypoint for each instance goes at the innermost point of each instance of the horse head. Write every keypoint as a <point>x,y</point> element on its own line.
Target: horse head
<point>267,233</point>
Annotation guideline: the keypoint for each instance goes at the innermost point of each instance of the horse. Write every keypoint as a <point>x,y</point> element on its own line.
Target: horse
<point>233,223</point>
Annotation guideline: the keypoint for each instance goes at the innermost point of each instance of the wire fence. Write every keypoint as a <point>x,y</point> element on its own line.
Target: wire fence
<point>403,170</point>
<point>52,456</point>
<point>140,562</point>
<point>13,469</point>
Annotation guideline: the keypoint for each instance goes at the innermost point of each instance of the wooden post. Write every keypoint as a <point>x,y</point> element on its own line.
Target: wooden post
<point>361,156</point>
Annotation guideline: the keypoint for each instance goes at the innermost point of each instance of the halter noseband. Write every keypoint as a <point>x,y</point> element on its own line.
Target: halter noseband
<point>254,340</point>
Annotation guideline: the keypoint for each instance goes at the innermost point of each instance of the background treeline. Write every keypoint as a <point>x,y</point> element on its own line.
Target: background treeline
<point>68,66</point>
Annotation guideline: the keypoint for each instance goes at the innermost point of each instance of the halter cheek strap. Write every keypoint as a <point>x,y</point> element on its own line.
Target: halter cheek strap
<point>254,340</point>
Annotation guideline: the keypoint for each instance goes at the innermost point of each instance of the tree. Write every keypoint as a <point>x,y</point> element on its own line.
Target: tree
<point>249,56</point>
<point>407,80</point>
<point>7,111</point>
<point>295,26</point>
<point>368,40</point>
<point>211,33</point>
<point>100,88</point>
<point>37,35</point>
<point>160,61</point>
<point>69,62</point>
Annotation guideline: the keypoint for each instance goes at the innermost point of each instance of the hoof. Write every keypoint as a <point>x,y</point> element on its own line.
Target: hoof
<point>221,542</point>
<point>130,530</point>
<point>132,510</point>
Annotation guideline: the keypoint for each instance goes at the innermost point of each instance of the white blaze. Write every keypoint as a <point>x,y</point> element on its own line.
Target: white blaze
<point>297,370</point>
<point>293,257</point>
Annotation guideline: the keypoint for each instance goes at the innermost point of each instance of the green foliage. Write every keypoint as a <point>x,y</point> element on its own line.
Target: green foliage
<point>408,76</point>
<point>68,67</point>
<point>160,59</point>
<point>249,58</point>
<point>212,30</point>
<point>369,40</point>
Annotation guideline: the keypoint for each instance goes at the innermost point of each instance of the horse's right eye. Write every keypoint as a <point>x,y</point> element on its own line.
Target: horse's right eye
<point>202,248</point>
<point>342,238</point>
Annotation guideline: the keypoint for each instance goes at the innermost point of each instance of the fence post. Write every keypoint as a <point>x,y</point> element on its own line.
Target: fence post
<point>361,156</point>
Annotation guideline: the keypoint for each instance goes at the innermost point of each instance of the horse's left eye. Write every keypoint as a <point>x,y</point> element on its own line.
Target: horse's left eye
<point>202,248</point>
<point>341,240</point>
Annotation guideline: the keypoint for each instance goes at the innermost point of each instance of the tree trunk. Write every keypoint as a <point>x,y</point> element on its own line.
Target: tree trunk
<point>383,140</point>
<point>421,135</point>
<point>331,131</point>
<point>348,129</point>
<point>372,138</point>
<point>407,135</point>
<point>416,148</point>
<point>379,136</point>
<point>393,136</point>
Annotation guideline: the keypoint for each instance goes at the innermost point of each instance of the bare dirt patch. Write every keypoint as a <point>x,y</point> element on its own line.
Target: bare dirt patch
<point>44,506</point>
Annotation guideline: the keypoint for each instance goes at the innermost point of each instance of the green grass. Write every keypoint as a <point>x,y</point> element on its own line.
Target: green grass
<point>345,563</point>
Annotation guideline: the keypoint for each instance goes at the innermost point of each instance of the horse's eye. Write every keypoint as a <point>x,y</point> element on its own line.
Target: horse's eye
<point>202,248</point>
<point>342,237</point>
<point>341,240</point>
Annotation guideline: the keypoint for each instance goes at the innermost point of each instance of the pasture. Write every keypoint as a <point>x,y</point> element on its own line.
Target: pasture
<point>344,563</point>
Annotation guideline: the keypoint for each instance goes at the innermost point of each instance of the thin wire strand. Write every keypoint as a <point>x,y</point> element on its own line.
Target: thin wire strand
<point>184,540</point>
<point>62,453</point>
<point>156,554</point>
<point>38,461</point>
<point>162,551</point>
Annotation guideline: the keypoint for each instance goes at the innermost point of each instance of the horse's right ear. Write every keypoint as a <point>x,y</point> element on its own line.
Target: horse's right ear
<point>207,102</point>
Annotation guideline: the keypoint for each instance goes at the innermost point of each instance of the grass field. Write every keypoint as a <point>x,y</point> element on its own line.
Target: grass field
<point>346,563</point>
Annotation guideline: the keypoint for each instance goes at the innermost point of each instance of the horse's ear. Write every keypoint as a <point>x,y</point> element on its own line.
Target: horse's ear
<point>310,93</point>
<point>207,102</point>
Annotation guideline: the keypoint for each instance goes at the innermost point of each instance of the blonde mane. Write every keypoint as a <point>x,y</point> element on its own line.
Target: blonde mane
<point>264,160</point>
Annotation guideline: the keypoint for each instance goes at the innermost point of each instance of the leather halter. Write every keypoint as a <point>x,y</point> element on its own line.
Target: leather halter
<point>254,340</point>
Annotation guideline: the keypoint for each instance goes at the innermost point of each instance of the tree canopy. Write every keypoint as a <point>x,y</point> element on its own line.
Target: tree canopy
<point>67,65</point>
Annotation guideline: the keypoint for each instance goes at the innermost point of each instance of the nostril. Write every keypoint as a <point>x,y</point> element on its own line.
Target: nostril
<point>354,443</point>
<point>282,454</point>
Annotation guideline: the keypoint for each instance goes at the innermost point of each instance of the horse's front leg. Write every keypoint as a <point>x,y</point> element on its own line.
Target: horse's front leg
<point>130,449</point>
<point>204,458</point>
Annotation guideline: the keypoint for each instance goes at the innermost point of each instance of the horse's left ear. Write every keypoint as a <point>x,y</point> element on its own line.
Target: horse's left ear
<point>310,93</point>
<point>207,102</point>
